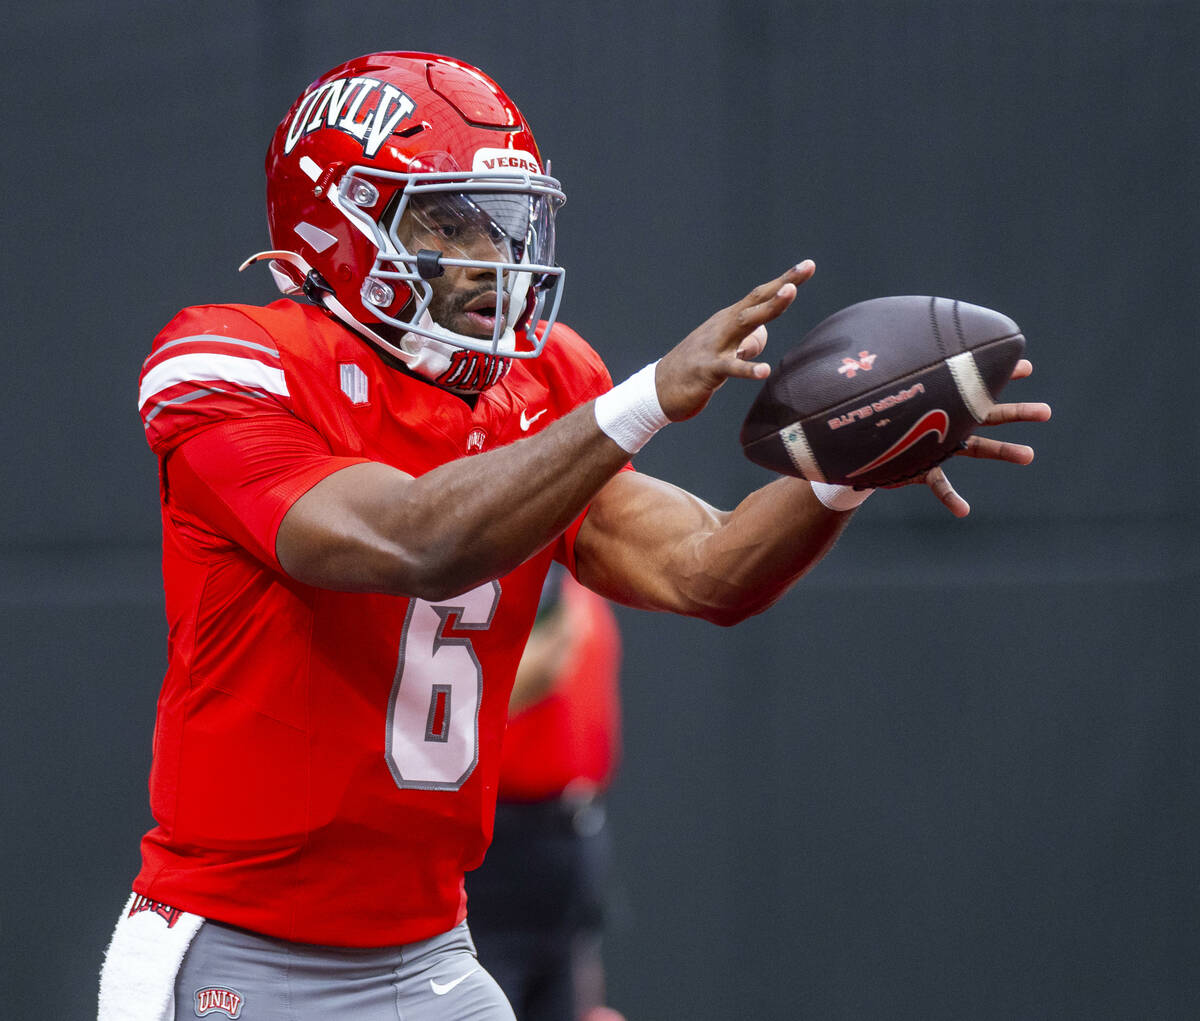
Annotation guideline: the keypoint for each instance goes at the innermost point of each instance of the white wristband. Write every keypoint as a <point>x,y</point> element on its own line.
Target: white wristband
<point>630,413</point>
<point>839,498</point>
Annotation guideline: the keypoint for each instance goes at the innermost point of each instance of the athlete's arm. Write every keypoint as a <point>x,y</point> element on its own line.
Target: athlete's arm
<point>647,544</point>
<point>370,527</point>
<point>542,662</point>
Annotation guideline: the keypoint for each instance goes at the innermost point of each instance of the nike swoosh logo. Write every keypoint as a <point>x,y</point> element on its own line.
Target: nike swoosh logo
<point>527,422</point>
<point>440,989</point>
<point>936,422</point>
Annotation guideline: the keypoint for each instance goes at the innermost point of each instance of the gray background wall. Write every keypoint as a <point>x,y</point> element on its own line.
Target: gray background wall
<point>954,774</point>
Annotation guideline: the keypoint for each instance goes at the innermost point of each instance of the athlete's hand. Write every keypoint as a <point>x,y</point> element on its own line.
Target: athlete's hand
<point>724,346</point>
<point>987,448</point>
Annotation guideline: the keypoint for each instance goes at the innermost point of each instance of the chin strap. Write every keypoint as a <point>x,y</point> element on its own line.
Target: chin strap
<point>320,293</point>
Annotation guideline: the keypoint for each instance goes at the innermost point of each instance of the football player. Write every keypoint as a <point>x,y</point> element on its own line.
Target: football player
<point>361,496</point>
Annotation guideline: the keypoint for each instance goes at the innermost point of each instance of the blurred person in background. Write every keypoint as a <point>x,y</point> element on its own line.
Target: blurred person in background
<point>539,901</point>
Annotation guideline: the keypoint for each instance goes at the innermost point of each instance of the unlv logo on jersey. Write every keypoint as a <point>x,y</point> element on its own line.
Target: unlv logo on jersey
<point>476,439</point>
<point>364,108</point>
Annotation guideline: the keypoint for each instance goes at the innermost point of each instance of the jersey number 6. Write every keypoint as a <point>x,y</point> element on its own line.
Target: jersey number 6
<point>433,711</point>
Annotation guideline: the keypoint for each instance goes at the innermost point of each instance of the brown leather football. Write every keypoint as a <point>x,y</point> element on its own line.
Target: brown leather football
<point>882,391</point>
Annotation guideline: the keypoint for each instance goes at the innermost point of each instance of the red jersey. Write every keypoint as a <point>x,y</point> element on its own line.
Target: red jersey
<point>325,763</point>
<point>570,738</point>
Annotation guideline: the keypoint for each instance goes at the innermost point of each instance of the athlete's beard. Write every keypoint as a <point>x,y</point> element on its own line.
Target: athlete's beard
<point>450,312</point>
<point>439,361</point>
<point>444,310</point>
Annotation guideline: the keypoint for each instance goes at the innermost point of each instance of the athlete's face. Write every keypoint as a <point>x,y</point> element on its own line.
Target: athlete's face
<point>464,297</point>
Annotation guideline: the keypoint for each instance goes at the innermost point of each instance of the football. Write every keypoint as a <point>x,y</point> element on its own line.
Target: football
<point>882,391</point>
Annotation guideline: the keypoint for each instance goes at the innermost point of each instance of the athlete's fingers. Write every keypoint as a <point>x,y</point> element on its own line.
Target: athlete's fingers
<point>733,325</point>
<point>735,368</point>
<point>936,480</point>
<point>767,301</point>
<point>724,346</point>
<point>748,319</point>
<point>1022,370</point>
<point>1026,411</point>
<point>752,346</point>
<point>996,450</point>
<point>795,275</point>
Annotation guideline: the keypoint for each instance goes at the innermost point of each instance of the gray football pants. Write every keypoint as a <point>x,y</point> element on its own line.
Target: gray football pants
<point>231,973</point>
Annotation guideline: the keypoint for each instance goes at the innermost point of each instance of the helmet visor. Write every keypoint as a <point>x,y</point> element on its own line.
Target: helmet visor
<point>510,228</point>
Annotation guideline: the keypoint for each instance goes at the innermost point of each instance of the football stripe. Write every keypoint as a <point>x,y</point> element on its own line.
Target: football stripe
<point>796,444</point>
<point>205,366</point>
<point>971,387</point>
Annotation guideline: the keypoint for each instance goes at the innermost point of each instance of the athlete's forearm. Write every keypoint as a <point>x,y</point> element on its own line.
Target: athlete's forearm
<point>648,544</point>
<point>495,511</point>
<point>761,548</point>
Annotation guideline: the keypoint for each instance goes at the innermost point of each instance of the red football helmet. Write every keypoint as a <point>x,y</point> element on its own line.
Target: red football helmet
<point>395,167</point>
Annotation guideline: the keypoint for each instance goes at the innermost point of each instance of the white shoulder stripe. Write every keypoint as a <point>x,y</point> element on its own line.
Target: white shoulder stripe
<point>203,366</point>
<point>215,338</point>
<point>971,386</point>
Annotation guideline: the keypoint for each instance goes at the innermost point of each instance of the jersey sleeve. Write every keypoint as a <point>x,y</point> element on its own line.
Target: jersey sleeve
<point>210,364</point>
<point>235,482</point>
<point>217,408</point>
